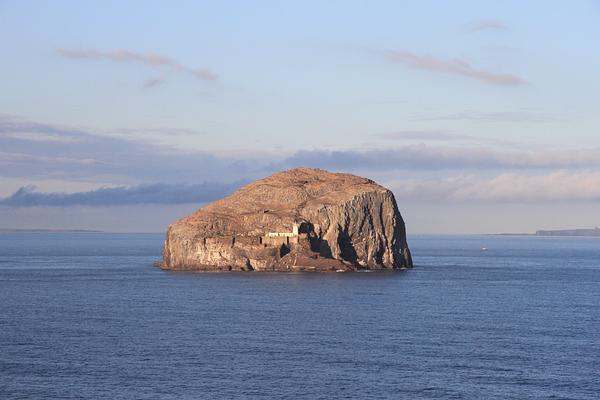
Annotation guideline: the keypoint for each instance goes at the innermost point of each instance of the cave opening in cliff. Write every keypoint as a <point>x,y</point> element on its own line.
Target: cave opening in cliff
<point>283,250</point>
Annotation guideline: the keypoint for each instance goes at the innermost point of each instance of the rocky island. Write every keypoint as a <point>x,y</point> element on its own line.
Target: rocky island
<point>298,220</point>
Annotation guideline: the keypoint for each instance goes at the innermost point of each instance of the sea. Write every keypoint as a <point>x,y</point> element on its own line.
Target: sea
<point>88,316</point>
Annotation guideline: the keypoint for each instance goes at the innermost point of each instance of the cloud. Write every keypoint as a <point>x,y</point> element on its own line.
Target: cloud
<point>443,137</point>
<point>12,157</point>
<point>498,116</point>
<point>561,186</point>
<point>121,156</point>
<point>124,159</point>
<point>486,25</point>
<point>165,131</point>
<point>149,59</point>
<point>154,82</point>
<point>425,135</point>
<point>428,157</point>
<point>39,137</point>
<point>157,193</point>
<point>20,129</point>
<point>508,187</point>
<point>27,130</point>
<point>454,66</point>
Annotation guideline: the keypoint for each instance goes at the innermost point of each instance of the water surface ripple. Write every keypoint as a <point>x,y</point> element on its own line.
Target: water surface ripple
<point>85,315</point>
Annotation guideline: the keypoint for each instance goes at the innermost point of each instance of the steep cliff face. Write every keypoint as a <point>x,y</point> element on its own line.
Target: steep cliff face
<point>301,219</point>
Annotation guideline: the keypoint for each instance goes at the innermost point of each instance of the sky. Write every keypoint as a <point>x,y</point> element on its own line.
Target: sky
<point>480,116</point>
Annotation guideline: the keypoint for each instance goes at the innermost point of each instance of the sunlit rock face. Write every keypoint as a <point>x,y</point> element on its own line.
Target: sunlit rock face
<point>298,220</point>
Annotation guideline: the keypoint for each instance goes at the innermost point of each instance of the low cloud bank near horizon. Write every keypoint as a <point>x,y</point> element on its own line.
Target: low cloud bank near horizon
<point>433,157</point>
<point>35,151</point>
<point>554,187</point>
<point>560,186</point>
<point>157,193</point>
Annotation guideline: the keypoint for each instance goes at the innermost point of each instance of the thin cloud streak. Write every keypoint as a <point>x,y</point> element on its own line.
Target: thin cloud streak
<point>497,116</point>
<point>486,25</point>
<point>454,66</point>
<point>154,82</point>
<point>425,135</point>
<point>7,157</point>
<point>442,137</point>
<point>150,59</point>
<point>160,131</point>
<point>22,129</point>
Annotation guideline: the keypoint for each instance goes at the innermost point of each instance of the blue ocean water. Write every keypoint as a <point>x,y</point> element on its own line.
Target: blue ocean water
<point>86,315</point>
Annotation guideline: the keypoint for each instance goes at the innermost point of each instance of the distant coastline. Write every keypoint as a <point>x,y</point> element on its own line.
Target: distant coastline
<point>580,232</point>
<point>569,232</point>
